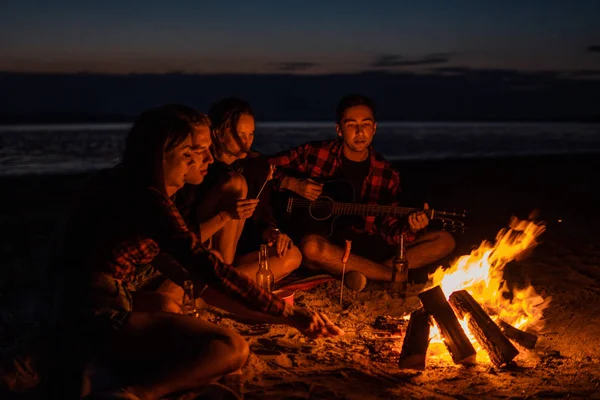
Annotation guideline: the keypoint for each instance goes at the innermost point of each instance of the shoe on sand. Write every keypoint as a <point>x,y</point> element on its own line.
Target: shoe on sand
<point>356,281</point>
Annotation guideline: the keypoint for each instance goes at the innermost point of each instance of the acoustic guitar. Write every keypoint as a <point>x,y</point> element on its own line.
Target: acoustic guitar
<point>335,209</point>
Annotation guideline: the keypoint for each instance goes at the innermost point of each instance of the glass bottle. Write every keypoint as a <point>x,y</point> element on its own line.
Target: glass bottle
<point>189,300</point>
<point>264,277</point>
<point>399,280</point>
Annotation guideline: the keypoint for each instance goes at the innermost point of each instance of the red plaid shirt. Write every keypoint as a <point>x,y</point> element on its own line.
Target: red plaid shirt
<point>126,230</point>
<point>322,159</point>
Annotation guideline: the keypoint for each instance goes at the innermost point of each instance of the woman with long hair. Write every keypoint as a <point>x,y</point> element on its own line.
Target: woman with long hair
<point>238,174</point>
<point>125,217</point>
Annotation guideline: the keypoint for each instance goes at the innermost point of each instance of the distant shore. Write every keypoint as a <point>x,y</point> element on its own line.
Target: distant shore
<point>85,118</point>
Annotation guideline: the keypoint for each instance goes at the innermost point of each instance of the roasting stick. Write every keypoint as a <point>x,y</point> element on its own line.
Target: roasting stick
<point>344,261</point>
<point>269,177</point>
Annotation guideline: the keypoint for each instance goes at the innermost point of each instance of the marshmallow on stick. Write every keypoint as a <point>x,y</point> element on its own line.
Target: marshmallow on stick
<point>345,257</point>
<point>269,177</point>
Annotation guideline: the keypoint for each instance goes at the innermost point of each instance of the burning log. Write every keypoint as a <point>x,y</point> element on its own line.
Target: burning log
<point>523,338</point>
<point>455,339</point>
<point>487,333</point>
<point>416,341</point>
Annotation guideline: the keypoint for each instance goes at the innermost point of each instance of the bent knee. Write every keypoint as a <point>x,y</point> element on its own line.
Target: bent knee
<point>236,182</point>
<point>237,349</point>
<point>312,247</point>
<point>167,304</point>
<point>293,259</point>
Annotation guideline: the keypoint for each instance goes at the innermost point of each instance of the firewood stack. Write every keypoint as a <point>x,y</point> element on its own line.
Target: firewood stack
<point>494,338</point>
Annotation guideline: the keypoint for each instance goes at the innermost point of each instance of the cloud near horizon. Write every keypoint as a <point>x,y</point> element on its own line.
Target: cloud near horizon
<point>293,66</point>
<point>593,49</point>
<point>507,73</point>
<point>396,60</point>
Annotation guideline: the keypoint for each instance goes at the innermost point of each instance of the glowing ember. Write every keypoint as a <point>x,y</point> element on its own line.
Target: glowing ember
<point>482,275</point>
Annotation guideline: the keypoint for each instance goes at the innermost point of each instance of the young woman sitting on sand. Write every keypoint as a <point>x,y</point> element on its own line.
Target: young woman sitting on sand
<point>224,205</point>
<point>124,219</point>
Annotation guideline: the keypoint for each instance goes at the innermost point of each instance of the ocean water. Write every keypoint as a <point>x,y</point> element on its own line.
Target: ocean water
<point>68,148</point>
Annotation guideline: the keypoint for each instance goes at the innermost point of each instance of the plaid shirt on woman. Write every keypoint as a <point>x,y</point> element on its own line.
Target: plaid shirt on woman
<point>121,228</point>
<point>322,159</point>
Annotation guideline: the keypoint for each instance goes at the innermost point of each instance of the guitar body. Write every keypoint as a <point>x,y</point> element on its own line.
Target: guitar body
<point>317,216</point>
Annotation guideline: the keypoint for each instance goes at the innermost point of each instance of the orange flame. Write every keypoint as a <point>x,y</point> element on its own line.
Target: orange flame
<point>481,273</point>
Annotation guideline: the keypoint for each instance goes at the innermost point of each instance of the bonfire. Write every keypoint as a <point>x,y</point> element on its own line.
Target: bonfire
<point>474,310</point>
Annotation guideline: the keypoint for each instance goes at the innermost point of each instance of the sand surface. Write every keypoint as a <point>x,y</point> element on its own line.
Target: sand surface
<point>362,364</point>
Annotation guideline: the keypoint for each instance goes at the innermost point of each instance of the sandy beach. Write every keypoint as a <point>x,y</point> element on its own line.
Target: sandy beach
<point>285,365</point>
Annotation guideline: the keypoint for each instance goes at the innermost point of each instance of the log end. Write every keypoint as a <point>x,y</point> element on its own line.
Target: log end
<point>470,360</point>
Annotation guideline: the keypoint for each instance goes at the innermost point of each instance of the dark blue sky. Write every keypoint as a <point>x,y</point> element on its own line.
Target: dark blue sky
<point>297,36</point>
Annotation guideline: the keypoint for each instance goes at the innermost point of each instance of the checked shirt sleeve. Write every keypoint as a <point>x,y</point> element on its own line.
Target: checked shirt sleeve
<point>292,160</point>
<point>173,237</point>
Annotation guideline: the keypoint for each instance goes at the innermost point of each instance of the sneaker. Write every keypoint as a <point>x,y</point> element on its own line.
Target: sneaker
<point>355,281</point>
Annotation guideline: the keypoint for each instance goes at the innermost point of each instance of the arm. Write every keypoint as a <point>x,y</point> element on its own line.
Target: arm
<point>212,225</point>
<point>295,162</point>
<point>256,171</point>
<point>312,324</point>
<point>170,268</point>
<point>291,160</point>
<point>173,237</point>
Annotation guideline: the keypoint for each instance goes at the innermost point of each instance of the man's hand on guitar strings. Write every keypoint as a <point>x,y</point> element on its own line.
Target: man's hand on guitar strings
<point>418,220</point>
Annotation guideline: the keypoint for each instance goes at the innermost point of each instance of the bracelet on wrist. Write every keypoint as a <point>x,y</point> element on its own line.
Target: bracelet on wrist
<point>274,233</point>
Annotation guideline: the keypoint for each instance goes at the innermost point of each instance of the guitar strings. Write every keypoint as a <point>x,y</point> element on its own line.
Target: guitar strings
<point>355,207</point>
<point>370,207</point>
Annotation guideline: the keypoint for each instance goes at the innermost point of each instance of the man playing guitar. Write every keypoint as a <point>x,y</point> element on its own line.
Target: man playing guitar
<point>351,158</point>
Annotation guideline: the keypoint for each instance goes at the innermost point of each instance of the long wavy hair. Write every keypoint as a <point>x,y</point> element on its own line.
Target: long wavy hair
<point>225,115</point>
<point>154,133</point>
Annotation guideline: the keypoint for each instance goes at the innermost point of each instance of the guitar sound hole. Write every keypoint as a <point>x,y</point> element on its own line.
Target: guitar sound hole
<point>321,208</point>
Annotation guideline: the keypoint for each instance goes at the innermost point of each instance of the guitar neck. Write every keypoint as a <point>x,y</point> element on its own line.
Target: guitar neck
<point>372,209</point>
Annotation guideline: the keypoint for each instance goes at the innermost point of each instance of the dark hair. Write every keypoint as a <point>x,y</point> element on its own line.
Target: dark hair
<point>353,100</point>
<point>154,133</point>
<point>225,114</point>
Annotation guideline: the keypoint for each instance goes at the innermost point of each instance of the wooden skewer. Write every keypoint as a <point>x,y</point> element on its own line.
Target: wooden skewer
<point>344,261</point>
<point>269,177</point>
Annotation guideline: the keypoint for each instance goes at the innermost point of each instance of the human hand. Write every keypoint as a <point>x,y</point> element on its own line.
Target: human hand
<point>307,188</point>
<point>313,324</point>
<point>281,242</point>
<point>242,209</point>
<point>418,220</point>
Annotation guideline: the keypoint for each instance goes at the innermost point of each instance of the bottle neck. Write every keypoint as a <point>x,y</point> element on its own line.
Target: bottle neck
<point>188,292</point>
<point>400,252</point>
<point>263,257</point>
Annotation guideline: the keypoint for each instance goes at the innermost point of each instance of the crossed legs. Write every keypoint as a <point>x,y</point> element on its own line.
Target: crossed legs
<point>319,253</point>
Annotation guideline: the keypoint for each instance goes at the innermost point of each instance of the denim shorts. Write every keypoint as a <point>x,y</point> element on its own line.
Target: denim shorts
<point>111,299</point>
